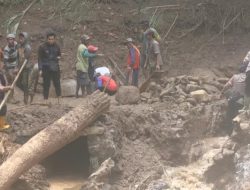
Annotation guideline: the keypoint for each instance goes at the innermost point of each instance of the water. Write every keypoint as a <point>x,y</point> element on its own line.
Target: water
<point>242,169</point>
<point>66,183</point>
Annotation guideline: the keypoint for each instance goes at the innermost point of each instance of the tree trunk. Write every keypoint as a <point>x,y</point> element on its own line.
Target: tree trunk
<point>54,137</point>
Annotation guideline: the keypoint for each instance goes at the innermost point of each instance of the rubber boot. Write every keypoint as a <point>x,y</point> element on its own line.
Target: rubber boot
<point>3,124</point>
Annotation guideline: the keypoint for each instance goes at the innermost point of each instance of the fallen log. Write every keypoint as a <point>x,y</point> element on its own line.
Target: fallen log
<point>54,137</point>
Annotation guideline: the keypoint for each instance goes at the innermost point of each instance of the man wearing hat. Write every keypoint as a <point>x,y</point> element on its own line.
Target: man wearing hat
<point>10,58</point>
<point>153,53</point>
<point>82,65</point>
<point>133,62</point>
<point>145,28</point>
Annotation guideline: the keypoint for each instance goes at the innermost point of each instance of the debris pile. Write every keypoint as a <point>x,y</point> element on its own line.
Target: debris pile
<point>184,89</point>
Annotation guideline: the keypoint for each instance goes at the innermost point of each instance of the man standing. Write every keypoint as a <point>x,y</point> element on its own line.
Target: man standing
<point>153,54</point>
<point>236,97</point>
<point>10,55</point>
<point>133,62</point>
<point>49,55</point>
<point>144,31</point>
<point>24,52</point>
<point>82,65</point>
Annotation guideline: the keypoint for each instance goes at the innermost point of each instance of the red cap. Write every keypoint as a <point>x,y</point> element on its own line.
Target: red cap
<point>92,49</point>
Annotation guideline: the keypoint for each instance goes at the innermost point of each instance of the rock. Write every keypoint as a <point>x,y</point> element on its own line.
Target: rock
<point>167,90</point>
<point>210,88</point>
<point>103,173</point>
<point>227,152</point>
<point>200,96</point>
<point>222,80</point>
<point>244,126</point>
<point>191,101</point>
<point>192,87</point>
<point>146,95</point>
<point>155,100</point>
<point>68,87</point>
<point>195,79</point>
<point>93,131</point>
<point>128,95</point>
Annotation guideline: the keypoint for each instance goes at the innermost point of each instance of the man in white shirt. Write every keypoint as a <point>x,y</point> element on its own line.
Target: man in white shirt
<point>103,71</point>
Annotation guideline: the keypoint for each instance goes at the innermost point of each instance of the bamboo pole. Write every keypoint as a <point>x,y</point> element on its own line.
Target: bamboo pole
<point>13,85</point>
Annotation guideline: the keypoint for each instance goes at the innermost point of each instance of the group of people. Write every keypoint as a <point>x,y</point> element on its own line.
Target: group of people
<point>237,91</point>
<point>89,77</point>
<point>12,57</point>
<point>149,59</point>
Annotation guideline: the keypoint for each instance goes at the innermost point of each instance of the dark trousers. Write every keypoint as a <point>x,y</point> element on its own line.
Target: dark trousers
<point>135,77</point>
<point>232,112</point>
<point>91,69</point>
<point>49,75</point>
<point>23,82</point>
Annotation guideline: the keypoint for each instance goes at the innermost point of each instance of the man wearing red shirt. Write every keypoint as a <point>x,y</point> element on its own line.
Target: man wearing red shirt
<point>106,84</point>
<point>133,62</point>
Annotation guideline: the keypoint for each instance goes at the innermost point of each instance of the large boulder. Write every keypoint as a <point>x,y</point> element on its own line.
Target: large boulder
<point>200,96</point>
<point>68,88</point>
<point>128,95</point>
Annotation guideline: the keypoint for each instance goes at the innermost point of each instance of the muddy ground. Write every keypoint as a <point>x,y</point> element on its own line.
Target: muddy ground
<point>167,140</point>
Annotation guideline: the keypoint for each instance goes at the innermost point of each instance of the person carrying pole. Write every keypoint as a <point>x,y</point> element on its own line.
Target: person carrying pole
<point>3,88</point>
<point>10,55</point>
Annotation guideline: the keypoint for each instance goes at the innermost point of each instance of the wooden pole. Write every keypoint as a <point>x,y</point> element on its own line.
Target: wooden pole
<point>53,138</point>
<point>117,68</point>
<point>13,84</point>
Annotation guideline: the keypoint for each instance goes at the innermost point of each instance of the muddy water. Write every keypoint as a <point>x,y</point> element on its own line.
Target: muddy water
<point>242,169</point>
<point>66,182</point>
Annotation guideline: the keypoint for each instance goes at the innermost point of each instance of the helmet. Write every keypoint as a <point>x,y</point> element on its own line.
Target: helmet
<point>84,38</point>
<point>11,36</point>
<point>92,49</point>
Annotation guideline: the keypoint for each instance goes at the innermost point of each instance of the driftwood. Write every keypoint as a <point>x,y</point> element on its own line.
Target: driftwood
<point>54,137</point>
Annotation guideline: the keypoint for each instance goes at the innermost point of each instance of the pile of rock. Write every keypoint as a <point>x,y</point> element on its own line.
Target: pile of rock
<point>184,89</point>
